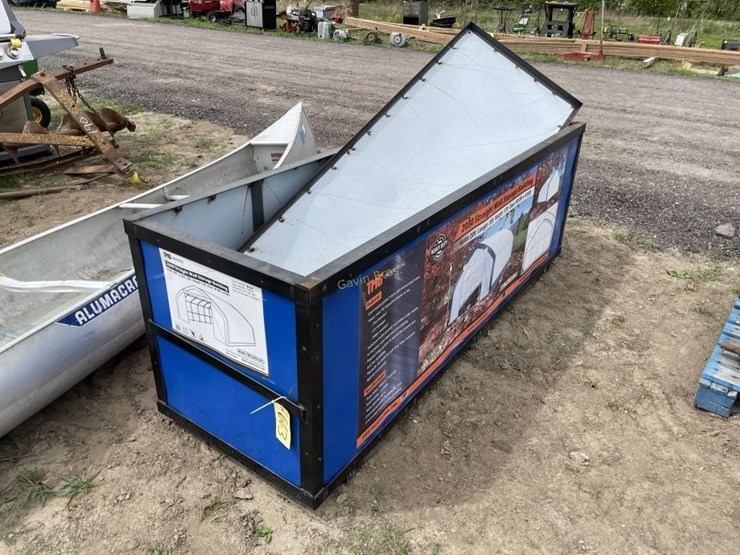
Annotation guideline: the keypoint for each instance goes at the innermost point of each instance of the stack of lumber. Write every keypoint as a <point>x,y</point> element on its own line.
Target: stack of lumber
<point>422,33</point>
<point>557,46</point>
<point>75,5</point>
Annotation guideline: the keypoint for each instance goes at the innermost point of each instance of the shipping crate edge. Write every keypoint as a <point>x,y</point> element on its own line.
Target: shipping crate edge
<point>313,326</point>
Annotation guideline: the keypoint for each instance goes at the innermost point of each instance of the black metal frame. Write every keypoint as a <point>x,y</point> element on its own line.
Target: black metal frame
<point>307,292</point>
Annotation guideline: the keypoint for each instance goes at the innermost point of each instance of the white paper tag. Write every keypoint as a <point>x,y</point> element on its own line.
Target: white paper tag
<point>282,424</point>
<point>216,310</point>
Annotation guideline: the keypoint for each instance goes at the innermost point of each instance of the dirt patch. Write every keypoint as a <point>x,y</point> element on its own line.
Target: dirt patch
<point>567,427</point>
<point>162,148</point>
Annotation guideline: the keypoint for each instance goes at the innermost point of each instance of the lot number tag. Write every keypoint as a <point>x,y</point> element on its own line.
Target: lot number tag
<point>282,425</point>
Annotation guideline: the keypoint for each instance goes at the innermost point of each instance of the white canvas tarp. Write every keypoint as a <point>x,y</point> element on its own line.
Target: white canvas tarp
<point>482,270</point>
<point>539,236</point>
<point>469,113</point>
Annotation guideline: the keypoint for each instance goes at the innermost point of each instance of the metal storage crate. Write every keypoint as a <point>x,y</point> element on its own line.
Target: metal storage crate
<point>299,373</point>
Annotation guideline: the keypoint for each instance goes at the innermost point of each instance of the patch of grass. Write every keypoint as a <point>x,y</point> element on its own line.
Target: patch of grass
<point>159,549</point>
<point>707,274</point>
<point>205,143</point>
<point>378,539</point>
<point>736,288</point>
<point>201,23</point>
<point>574,222</point>
<point>542,58</point>
<point>613,404</point>
<point>620,237</point>
<point>636,240</point>
<point>123,108</point>
<point>264,532</point>
<point>28,489</point>
<point>10,539</point>
<point>14,181</point>
<point>718,256</point>
<point>216,509</point>
<point>703,308</point>
<point>645,242</point>
<point>700,273</point>
<point>155,160</point>
<point>76,486</point>
<point>679,274</point>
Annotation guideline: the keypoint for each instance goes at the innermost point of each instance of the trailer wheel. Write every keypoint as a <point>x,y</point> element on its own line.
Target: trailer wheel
<point>40,111</point>
<point>212,17</point>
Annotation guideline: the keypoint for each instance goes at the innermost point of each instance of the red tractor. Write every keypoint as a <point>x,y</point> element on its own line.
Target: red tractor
<point>213,10</point>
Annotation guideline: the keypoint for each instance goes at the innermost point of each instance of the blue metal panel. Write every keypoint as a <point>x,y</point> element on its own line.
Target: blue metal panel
<point>570,168</point>
<point>155,284</point>
<point>280,328</point>
<point>222,406</point>
<point>344,319</point>
<point>341,377</point>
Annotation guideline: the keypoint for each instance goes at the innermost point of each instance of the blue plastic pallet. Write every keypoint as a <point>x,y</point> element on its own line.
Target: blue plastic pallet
<point>719,384</point>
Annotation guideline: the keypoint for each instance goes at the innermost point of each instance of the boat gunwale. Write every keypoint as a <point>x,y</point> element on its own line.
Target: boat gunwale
<point>128,273</point>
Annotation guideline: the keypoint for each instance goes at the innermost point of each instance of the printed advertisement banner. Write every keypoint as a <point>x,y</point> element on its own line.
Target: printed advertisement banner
<point>419,305</point>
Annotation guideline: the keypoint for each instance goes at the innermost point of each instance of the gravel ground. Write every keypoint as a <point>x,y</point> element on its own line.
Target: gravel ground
<point>660,156</point>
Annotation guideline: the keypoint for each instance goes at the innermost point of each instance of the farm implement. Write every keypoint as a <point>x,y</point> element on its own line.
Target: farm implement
<point>84,131</point>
